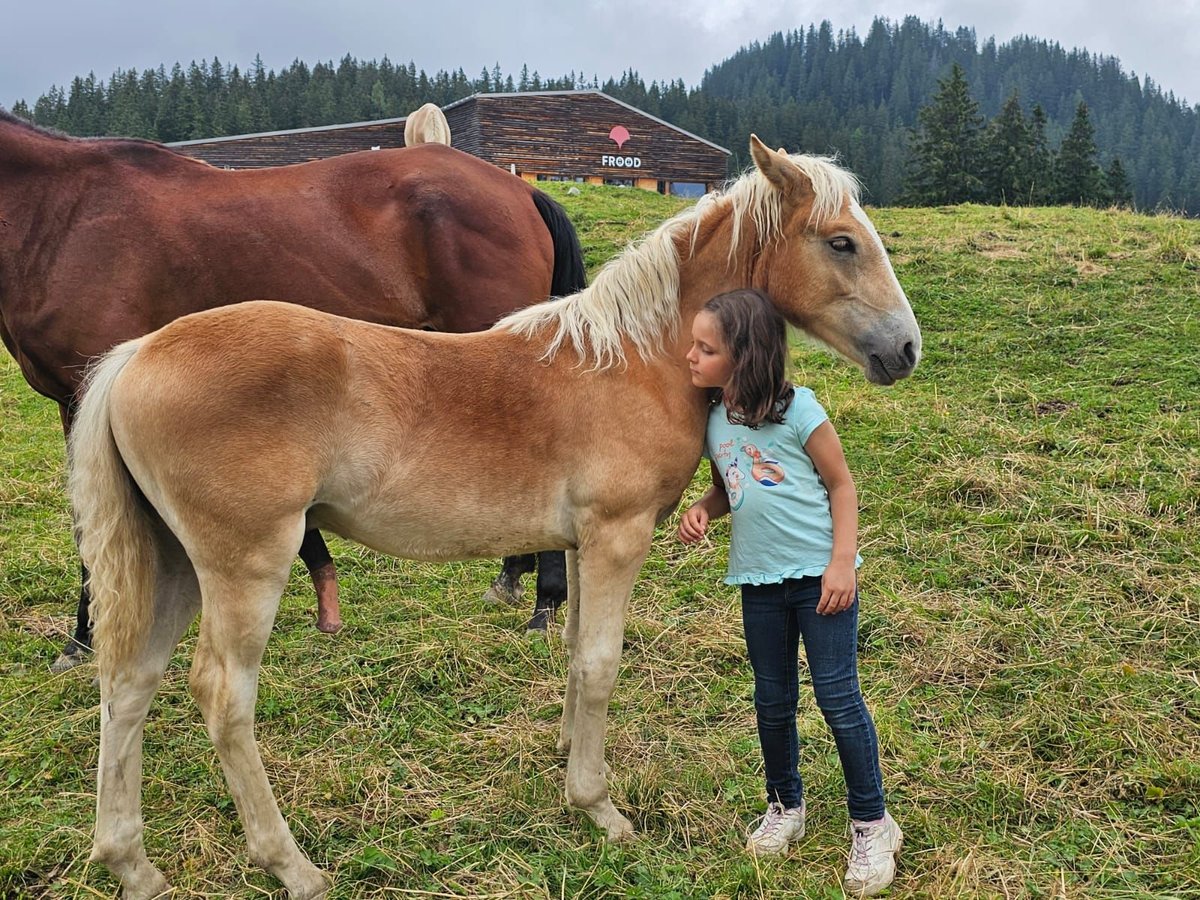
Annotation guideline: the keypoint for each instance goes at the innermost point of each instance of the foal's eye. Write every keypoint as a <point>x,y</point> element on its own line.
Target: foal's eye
<point>842,245</point>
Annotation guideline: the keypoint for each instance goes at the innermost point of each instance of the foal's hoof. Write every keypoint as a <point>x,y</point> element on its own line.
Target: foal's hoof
<point>72,655</point>
<point>618,829</point>
<point>498,594</point>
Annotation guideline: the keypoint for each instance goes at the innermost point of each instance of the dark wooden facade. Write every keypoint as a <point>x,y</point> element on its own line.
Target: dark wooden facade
<point>566,134</point>
<point>281,148</point>
<point>561,135</point>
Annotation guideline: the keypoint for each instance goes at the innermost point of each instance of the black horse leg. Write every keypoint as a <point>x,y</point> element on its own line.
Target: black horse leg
<point>324,578</point>
<point>507,587</point>
<point>551,588</point>
<point>79,646</point>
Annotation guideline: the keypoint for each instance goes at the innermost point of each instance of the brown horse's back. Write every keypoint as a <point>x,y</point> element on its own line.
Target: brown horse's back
<point>118,238</point>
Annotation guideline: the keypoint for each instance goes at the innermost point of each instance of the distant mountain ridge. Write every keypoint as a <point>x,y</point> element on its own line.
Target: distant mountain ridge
<point>812,90</point>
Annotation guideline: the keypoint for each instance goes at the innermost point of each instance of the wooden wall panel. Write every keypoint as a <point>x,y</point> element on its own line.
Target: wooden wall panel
<point>258,151</point>
<point>568,134</point>
<point>564,134</point>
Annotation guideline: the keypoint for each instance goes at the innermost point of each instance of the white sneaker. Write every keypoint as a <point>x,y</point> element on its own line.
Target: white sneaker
<point>778,828</point>
<point>873,849</point>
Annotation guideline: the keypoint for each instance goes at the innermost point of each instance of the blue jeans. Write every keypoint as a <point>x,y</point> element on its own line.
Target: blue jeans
<point>776,617</point>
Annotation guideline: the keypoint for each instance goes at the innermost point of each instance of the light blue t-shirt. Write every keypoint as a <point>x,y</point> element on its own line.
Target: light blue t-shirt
<point>782,526</point>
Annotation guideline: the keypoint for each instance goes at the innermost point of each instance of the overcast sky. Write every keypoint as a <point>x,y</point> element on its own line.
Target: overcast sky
<point>48,42</point>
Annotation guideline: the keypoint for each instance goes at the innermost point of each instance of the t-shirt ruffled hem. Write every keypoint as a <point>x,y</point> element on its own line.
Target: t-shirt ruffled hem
<point>776,577</point>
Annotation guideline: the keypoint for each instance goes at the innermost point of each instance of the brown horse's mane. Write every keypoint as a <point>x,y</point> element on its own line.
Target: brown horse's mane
<point>137,150</point>
<point>636,294</point>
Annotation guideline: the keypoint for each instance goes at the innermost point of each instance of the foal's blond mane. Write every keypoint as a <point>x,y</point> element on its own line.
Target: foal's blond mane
<point>636,294</point>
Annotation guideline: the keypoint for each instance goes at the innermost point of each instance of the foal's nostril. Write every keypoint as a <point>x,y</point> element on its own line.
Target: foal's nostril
<point>910,354</point>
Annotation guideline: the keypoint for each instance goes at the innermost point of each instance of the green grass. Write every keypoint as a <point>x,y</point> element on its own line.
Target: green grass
<point>1029,647</point>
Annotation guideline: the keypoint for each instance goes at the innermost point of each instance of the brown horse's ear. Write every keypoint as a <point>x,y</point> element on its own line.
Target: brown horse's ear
<point>780,170</point>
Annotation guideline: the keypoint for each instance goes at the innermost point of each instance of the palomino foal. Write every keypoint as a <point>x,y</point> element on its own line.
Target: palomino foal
<point>203,451</point>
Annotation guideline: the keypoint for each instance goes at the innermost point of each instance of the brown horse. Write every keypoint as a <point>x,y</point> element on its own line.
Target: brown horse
<point>203,451</point>
<point>106,240</point>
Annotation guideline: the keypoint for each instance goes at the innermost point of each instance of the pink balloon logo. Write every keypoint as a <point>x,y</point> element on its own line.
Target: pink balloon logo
<point>619,135</point>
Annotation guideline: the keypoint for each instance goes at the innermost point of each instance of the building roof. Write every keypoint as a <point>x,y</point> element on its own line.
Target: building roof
<point>311,130</point>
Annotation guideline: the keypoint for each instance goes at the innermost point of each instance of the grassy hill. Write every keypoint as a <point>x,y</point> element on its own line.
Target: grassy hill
<point>1030,632</point>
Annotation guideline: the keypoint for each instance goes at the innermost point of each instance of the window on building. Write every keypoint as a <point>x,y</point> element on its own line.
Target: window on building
<point>690,189</point>
<point>619,182</point>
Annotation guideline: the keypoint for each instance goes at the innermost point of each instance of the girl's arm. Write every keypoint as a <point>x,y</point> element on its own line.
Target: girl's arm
<point>838,585</point>
<point>714,504</point>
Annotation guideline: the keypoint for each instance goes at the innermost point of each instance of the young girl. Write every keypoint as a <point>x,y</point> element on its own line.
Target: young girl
<point>793,551</point>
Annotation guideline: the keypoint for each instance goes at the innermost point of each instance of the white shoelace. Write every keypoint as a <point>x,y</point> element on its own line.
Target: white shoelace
<point>770,823</point>
<point>860,847</point>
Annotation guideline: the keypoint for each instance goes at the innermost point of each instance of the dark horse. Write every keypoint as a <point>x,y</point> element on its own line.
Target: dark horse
<point>106,240</point>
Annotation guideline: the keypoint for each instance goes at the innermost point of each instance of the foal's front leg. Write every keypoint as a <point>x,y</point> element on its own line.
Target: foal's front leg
<point>569,638</point>
<point>608,565</point>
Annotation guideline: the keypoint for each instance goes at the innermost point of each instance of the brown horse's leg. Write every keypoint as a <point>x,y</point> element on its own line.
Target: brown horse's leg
<point>239,610</point>
<point>78,648</point>
<point>551,589</point>
<point>507,587</point>
<point>324,578</point>
<point>125,695</point>
<point>608,564</point>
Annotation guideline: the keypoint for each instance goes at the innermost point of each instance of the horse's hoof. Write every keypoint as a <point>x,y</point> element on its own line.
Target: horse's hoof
<point>312,886</point>
<point>497,594</point>
<point>619,829</point>
<point>329,627</point>
<point>540,623</point>
<point>72,655</point>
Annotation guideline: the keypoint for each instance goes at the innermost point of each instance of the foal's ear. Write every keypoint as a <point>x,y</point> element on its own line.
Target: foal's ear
<point>780,170</point>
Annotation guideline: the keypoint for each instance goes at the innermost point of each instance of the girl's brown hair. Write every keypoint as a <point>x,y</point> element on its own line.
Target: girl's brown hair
<point>755,336</point>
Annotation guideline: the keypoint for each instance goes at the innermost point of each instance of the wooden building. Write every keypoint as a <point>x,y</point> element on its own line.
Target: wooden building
<point>584,136</point>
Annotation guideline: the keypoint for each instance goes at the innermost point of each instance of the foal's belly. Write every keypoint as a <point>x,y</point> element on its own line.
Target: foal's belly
<point>443,535</point>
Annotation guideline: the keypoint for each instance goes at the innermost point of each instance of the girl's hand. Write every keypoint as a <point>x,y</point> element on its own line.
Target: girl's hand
<point>693,523</point>
<point>838,589</point>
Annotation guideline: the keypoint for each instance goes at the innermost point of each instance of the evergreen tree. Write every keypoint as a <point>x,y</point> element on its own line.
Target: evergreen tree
<point>1006,152</point>
<point>1039,174</point>
<point>812,89</point>
<point>1080,180</point>
<point>1117,183</point>
<point>947,150</point>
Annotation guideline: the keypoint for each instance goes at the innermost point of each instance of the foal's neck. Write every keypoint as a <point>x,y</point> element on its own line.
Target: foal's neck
<point>707,269</point>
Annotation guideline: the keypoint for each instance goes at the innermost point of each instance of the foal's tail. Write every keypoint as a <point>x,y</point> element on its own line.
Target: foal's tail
<point>570,276</point>
<point>112,520</point>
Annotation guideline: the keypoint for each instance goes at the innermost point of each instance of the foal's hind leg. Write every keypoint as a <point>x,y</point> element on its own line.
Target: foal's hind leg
<point>125,695</point>
<point>239,610</point>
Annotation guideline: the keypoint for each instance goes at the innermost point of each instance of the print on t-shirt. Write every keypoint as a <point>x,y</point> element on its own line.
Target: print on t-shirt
<point>767,472</point>
<point>761,467</point>
<point>733,485</point>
